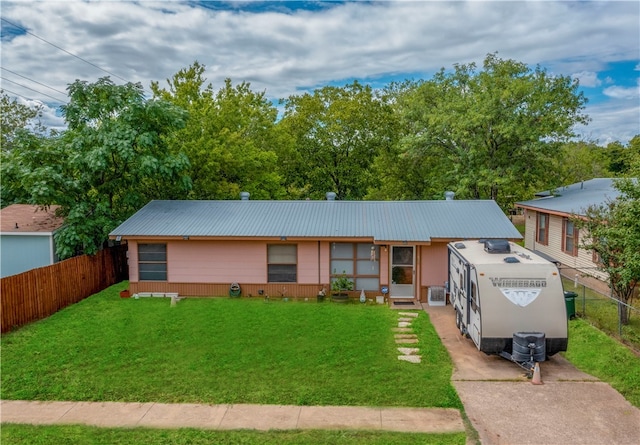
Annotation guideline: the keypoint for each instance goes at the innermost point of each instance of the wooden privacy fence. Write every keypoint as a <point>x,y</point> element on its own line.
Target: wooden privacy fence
<point>38,293</point>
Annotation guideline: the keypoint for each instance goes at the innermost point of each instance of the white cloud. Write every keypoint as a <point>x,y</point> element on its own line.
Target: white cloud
<point>285,53</point>
<point>618,92</point>
<point>587,78</point>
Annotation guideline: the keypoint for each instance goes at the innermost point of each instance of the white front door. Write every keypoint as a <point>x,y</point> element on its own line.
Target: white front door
<point>402,272</point>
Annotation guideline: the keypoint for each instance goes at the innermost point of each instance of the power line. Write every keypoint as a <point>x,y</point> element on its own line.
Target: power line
<point>35,91</point>
<point>34,81</point>
<point>62,49</point>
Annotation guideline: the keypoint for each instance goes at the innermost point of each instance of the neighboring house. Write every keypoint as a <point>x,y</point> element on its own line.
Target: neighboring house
<point>296,248</point>
<point>550,230</point>
<point>26,238</point>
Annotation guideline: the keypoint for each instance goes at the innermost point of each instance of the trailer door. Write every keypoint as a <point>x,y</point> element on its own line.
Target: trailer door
<point>475,326</point>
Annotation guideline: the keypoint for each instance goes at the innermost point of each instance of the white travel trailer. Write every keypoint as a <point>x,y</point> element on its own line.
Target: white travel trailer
<point>507,299</point>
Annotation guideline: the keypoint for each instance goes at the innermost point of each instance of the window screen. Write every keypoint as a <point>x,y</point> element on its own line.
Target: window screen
<point>152,262</point>
<point>282,263</point>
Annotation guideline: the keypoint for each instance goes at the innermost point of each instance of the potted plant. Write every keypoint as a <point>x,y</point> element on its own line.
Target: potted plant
<point>340,288</point>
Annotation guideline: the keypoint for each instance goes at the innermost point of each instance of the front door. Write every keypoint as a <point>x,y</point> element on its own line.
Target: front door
<point>402,272</point>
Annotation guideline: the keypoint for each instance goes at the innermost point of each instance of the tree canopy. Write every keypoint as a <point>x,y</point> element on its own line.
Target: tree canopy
<point>493,133</point>
<point>110,162</point>
<point>229,136</point>
<point>612,231</point>
<point>500,131</point>
<point>336,133</point>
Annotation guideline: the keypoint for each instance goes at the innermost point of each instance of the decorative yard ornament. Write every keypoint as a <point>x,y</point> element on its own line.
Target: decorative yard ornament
<point>363,297</point>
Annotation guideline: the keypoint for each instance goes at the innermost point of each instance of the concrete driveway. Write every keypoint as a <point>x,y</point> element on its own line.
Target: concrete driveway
<point>571,407</point>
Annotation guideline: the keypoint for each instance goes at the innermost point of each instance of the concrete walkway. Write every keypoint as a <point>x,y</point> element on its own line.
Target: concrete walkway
<point>571,407</point>
<point>227,417</point>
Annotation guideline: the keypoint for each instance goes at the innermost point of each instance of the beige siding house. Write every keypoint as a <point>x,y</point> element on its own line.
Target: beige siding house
<point>550,231</point>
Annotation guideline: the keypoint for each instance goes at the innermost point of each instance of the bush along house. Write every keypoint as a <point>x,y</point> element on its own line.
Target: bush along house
<point>394,251</point>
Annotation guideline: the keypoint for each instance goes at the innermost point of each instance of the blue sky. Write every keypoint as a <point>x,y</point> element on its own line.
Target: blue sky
<point>285,48</point>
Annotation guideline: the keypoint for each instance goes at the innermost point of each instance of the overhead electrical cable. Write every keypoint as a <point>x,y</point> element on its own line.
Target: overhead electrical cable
<point>29,88</point>
<point>62,49</point>
<point>34,81</point>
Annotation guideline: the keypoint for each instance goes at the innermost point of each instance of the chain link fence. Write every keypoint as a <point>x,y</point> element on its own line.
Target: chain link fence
<point>603,311</point>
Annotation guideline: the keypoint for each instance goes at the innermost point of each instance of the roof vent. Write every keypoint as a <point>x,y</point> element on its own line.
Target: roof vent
<point>331,196</point>
<point>449,195</point>
<point>244,196</point>
<point>460,246</point>
<point>497,246</point>
<point>511,260</point>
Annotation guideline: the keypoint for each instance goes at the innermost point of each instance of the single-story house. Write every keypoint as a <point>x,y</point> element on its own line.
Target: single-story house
<point>26,238</point>
<point>297,248</point>
<point>551,231</point>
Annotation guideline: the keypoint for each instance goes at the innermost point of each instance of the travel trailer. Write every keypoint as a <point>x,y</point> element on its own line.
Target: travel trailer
<point>507,299</point>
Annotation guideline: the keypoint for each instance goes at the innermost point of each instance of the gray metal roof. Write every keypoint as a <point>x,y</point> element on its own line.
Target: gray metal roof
<point>411,221</point>
<point>575,198</point>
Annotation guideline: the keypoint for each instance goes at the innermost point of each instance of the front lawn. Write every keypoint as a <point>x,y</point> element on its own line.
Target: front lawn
<point>78,434</point>
<point>594,352</point>
<point>223,350</point>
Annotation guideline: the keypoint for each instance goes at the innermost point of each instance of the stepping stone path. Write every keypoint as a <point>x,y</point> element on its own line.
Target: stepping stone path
<point>404,335</point>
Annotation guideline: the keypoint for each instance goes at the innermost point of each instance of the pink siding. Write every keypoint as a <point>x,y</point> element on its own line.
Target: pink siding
<point>325,263</point>
<point>308,268</point>
<point>213,263</point>
<point>433,269</point>
<point>132,256</point>
<point>384,265</point>
<point>193,261</point>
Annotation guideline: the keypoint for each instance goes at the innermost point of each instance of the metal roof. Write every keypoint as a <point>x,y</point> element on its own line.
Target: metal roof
<point>411,221</point>
<point>575,198</point>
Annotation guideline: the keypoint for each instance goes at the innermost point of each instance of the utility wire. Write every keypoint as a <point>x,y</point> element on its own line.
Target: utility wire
<point>62,49</point>
<point>34,81</point>
<point>28,88</point>
<point>14,93</point>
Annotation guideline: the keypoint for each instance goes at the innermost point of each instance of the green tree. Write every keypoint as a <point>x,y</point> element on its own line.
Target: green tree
<point>22,139</point>
<point>581,161</point>
<point>229,136</point>
<point>16,120</point>
<point>612,231</point>
<point>497,132</point>
<point>110,162</point>
<point>337,133</point>
<point>620,157</point>
<point>408,169</point>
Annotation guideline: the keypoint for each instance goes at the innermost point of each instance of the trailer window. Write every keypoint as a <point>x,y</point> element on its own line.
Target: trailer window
<point>474,297</point>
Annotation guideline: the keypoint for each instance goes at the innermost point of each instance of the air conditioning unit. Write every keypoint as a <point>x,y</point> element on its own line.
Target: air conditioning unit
<point>437,296</point>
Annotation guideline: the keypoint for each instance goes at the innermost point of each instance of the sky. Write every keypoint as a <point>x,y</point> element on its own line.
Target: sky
<point>291,47</point>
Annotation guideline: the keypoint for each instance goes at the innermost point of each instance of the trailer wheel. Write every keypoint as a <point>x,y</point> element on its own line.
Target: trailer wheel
<point>459,321</point>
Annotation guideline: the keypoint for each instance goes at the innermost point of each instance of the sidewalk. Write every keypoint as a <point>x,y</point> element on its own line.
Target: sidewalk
<point>227,417</point>
<point>571,407</point>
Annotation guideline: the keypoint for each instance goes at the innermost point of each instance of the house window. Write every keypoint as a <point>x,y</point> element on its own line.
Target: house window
<point>282,262</point>
<point>152,262</point>
<point>570,237</point>
<point>542,228</point>
<point>358,261</point>
<point>596,258</point>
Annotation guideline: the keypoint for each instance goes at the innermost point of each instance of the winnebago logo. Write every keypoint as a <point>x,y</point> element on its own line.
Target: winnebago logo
<point>520,291</point>
<point>518,282</point>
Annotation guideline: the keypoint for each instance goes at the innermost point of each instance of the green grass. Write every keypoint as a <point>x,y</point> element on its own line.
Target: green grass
<point>12,434</point>
<point>602,312</point>
<point>223,350</point>
<point>596,353</point>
